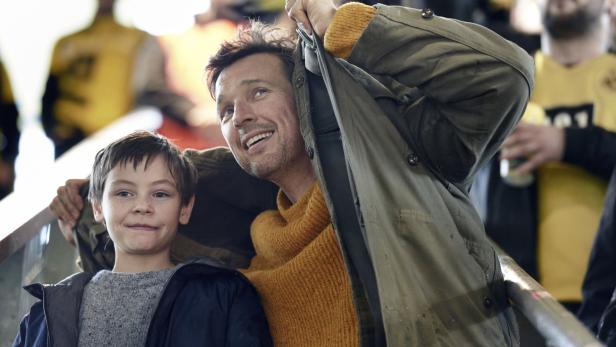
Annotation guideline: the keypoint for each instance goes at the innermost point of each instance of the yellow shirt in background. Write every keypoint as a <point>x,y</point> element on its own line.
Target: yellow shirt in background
<point>570,198</point>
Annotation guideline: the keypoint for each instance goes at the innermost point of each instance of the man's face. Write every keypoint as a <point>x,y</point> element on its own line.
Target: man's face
<point>141,207</point>
<point>256,107</point>
<point>568,19</point>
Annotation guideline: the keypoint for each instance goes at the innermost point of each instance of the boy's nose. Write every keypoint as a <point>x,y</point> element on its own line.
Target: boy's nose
<point>142,206</point>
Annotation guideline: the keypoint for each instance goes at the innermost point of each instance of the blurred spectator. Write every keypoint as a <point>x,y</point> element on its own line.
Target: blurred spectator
<point>494,14</point>
<point>99,74</point>
<point>9,134</point>
<point>549,226</point>
<point>600,280</point>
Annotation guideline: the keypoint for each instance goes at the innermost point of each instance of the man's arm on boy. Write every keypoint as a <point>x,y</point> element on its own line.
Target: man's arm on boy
<point>67,205</point>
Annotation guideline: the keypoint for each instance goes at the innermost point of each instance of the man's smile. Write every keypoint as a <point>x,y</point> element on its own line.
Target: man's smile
<point>255,137</point>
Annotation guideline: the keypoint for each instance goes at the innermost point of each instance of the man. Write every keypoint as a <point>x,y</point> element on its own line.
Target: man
<point>428,275</point>
<point>99,74</point>
<point>566,138</point>
<point>9,134</point>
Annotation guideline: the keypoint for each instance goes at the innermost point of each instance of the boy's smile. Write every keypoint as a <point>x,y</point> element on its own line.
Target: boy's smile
<point>141,207</point>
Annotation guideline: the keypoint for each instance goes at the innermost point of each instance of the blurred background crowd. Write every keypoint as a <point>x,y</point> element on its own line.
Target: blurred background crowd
<point>68,68</point>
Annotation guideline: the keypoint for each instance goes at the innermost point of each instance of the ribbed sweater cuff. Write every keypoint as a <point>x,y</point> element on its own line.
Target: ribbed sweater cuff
<point>347,26</point>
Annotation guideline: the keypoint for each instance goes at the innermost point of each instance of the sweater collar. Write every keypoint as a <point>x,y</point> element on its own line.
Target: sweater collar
<point>310,204</point>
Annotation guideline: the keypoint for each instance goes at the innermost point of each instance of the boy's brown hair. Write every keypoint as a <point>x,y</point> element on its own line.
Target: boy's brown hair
<point>139,146</point>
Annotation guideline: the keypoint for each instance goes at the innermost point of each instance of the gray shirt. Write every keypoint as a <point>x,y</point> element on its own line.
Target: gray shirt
<point>116,308</point>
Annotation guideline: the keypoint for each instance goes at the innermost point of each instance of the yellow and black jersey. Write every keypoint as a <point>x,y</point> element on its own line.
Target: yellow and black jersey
<point>91,80</point>
<point>570,199</point>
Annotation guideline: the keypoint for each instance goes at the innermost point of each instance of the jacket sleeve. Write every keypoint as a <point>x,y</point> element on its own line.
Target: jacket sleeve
<point>32,329</point>
<point>461,86</point>
<point>247,322</point>
<point>607,326</point>
<point>600,278</point>
<point>592,148</point>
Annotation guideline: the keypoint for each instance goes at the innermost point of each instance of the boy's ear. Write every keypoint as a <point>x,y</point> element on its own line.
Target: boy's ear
<point>186,210</point>
<point>98,211</point>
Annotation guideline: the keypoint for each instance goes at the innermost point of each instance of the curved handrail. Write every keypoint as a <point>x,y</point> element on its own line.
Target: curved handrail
<point>557,325</point>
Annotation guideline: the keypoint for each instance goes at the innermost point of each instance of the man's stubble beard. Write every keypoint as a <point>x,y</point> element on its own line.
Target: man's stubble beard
<point>267,168</point>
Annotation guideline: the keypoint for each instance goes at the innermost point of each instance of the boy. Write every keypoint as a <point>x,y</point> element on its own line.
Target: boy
<point>141,188</point>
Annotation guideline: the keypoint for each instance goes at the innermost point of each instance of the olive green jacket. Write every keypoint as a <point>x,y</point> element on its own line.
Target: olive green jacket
<point>420,104</point>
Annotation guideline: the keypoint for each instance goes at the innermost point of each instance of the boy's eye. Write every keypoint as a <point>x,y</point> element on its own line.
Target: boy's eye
<point>123,194</point>
<point>161,195</point>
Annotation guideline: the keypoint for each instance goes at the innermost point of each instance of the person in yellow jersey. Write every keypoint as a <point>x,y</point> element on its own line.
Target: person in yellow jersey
<point>562,140</point>
<point>9,134</point>
<point>101,73</point>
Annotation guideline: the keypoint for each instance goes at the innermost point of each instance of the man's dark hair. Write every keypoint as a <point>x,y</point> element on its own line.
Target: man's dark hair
<point>135,148</point>
<point>254,38</point>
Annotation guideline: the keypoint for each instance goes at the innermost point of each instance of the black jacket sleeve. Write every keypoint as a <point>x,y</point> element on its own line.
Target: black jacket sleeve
<point>593,148</point>
<point>607,326</point>
<point>600,279</point>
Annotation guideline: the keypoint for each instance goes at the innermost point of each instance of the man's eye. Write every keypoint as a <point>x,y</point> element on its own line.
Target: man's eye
<point>226,113</point>
<point>260,92</point>
<point>161,195</point>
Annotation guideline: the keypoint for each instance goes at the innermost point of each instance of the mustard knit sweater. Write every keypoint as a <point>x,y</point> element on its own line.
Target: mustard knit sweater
<point>300,275</point>
<point>298,269</point>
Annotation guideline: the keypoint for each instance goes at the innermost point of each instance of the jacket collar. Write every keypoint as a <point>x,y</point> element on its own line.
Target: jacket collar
<point>61,304</point>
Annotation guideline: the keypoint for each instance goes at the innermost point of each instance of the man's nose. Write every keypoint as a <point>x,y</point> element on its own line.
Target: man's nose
<point>243,113</point>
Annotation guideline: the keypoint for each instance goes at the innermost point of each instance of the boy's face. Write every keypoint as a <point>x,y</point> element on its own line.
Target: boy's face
<point>141,207</point>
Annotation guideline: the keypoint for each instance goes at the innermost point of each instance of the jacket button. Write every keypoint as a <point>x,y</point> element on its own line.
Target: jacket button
<point>310,152</point>
<point>299,81</point>
<point>427,13</point>
<point>487,303</point>
<point>412,159</point>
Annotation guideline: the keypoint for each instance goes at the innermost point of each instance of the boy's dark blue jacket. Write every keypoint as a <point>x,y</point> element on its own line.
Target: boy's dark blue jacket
<point>201,305</point>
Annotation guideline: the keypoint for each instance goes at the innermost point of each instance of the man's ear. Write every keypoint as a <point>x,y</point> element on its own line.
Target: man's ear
<point>187,210</point>
<point>98,211</point>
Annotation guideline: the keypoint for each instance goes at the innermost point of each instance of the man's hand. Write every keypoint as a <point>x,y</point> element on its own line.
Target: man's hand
<point>67,205</point>
<point>311,14</point>
<point>539,144</point>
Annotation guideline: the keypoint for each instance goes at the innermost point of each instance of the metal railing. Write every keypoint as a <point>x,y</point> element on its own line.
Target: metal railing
<point>25,214</point>
<point>557,325</point>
